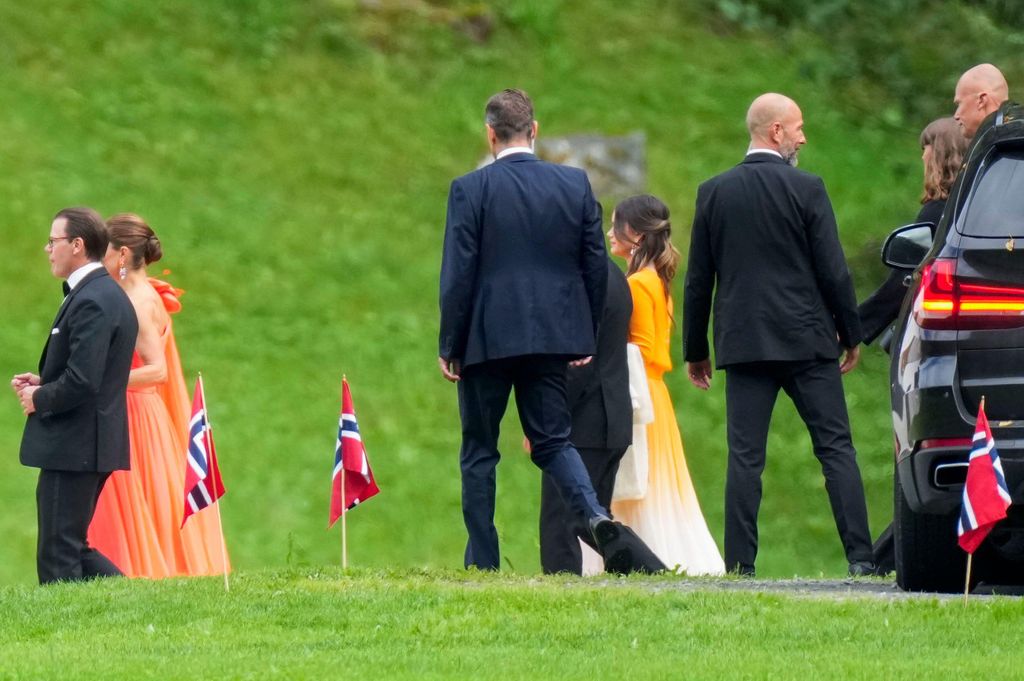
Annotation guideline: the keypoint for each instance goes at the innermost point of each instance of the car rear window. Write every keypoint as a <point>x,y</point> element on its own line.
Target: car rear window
<point>996,208</point>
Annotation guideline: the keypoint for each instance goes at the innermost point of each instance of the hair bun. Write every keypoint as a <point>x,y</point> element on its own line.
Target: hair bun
<point>152,251</point>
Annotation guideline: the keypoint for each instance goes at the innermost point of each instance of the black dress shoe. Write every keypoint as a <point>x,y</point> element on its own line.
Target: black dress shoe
<point>862,568</point>
<point>617,556</point>
<point>742,570</point>
<point>623,551</point>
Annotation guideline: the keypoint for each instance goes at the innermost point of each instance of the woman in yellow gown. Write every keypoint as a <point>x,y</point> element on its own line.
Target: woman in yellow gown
<point>138,515</point>
<point>668,517</point>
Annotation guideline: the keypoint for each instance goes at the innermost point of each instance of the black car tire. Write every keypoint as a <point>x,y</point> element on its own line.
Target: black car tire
<point>928,557</point>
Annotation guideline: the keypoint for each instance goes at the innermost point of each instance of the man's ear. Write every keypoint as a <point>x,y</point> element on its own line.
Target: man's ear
<point>492,137</point>
<point>533,130</point>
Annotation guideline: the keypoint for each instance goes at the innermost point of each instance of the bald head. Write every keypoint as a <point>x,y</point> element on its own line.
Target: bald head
<point>775,122</point>
<point>980,91</point>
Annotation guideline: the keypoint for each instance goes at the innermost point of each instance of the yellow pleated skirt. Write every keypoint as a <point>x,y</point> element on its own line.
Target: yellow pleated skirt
<point>669,518</point>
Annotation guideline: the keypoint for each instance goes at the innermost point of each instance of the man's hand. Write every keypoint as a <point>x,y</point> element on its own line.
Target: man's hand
<point>25,397</point>
<point>700,373</point>
<point>24,380</point>
<point>449,368</point>
<point>850,359</point>
<point>581,362</point>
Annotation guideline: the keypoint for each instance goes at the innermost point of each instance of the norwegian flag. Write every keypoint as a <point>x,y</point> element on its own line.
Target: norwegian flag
<point>986,497</point>
<point>203,484</point>
<point>350,462</point>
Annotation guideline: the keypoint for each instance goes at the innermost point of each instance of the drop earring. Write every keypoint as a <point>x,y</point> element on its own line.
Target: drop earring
<point>122,273</point>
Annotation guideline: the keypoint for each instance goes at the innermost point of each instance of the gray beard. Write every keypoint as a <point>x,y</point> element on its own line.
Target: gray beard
<point>791,158</point>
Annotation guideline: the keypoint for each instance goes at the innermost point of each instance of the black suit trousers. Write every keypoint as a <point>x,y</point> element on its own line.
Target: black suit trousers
<point>559,531</point>
<point>539,384</point>
<point>66,501</point>
<point>816,389</point>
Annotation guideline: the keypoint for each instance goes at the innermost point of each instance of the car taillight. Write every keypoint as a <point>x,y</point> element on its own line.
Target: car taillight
<point>935,305</point>
<point>945,302</point>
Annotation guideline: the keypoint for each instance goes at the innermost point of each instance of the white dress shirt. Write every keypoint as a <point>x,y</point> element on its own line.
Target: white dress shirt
<point>763,151</point>
<point>76,277</point>
<point>512,150</point>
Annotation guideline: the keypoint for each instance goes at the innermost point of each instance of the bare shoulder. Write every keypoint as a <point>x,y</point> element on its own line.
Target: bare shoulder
<point>149,308</point>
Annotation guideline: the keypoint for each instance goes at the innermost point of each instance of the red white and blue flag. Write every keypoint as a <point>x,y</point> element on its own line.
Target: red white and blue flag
<point>986,496</point>
<point>353,481</point>
<point>203,484</point>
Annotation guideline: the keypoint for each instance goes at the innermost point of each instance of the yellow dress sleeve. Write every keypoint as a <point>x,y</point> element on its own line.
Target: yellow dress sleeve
<point>641,324</point>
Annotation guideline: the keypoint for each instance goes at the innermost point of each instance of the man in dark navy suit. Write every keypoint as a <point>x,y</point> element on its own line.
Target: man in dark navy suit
<point>765,240</point>
<point>77,427</point>
<point>523,281</point>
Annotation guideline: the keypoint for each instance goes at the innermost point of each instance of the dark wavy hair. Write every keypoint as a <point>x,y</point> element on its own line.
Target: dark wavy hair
<point>948,149</point>
<point>648,216</point>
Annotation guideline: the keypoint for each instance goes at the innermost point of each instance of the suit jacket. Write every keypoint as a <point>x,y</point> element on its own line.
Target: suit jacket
<point>765,239</point>
<point>524,268</point>
<point>882,307</point>
<point>602,412</point>
<point>80,422</point>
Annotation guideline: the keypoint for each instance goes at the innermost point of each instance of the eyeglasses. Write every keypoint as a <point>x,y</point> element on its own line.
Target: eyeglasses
<point>49,242</point>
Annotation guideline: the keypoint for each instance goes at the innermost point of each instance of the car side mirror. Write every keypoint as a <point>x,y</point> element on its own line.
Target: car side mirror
<point>906,247</point>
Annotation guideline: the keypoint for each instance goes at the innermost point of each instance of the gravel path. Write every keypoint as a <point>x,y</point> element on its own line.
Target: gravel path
<point>831,588</point>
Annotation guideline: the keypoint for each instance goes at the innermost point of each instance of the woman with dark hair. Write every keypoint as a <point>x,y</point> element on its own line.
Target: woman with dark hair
<point>943,147</point>
<point>668,517</point>
<point>138,515</point>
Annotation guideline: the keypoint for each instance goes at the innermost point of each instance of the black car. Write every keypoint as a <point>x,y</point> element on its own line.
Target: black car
<point>960,337</point>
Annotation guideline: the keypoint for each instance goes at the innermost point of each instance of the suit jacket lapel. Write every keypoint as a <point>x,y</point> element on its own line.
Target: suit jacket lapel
<point>65,304</point>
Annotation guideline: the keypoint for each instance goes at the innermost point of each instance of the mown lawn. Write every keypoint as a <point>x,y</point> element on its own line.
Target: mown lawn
<point>322,623</point>
<point>294,158</point>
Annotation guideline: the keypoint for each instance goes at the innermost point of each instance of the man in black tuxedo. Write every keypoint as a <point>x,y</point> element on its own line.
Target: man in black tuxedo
<point>77,427</point>
<point>602,429</point>
<point>523,280</point>
<point>765,239</point>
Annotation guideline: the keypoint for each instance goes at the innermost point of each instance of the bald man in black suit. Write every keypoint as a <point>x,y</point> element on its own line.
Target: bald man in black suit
<point>765,242</point>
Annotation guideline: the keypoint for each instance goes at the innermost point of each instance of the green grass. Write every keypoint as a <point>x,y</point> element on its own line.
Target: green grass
<point>320,623</point>
<point>295,158</point>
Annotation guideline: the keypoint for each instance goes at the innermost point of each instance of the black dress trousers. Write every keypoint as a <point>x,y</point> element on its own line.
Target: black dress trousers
<point>816,388</point>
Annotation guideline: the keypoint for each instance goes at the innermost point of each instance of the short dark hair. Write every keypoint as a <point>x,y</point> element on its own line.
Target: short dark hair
<point>510,114</point>
<point>86,224</point>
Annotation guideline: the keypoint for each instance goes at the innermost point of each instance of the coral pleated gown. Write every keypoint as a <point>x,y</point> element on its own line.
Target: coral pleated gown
<point>138,516</point>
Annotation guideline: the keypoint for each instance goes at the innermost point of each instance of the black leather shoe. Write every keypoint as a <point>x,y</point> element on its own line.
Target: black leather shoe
<point>862,568</point>
<point>744,571</point>
<point>618,558</point>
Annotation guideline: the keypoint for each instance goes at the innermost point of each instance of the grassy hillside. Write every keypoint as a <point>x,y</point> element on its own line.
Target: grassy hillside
<point>301,624</point>
<point>294,158</point>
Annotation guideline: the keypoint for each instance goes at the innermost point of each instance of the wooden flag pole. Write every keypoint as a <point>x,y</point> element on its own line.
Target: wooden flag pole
<point>967,581</point>
<point>216,470</point>
<point>344,515</point>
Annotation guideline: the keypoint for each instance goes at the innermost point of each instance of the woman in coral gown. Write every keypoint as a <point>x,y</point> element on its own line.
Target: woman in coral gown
<point>668,517</point>
<point>138,516</point>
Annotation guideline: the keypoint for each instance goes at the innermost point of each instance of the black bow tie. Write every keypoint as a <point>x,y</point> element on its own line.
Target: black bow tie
<point>67,288</point>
